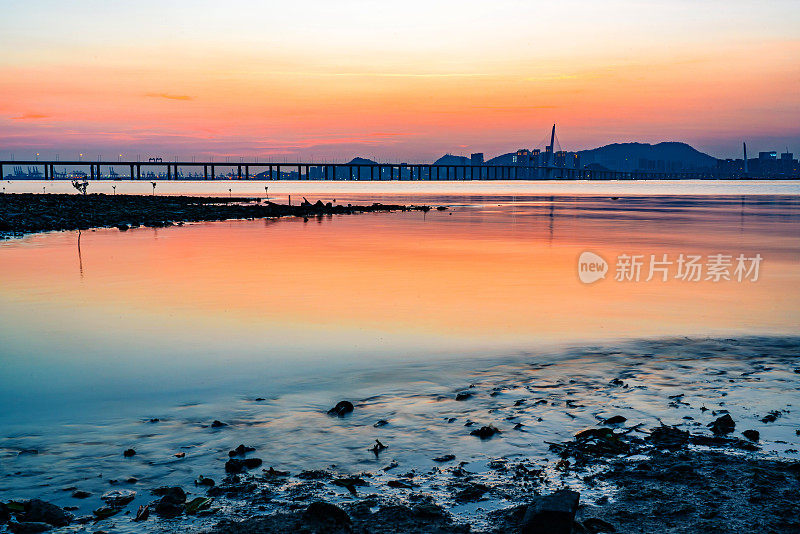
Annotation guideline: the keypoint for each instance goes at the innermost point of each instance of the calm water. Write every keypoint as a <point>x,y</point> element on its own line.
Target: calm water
<point>101,331</point>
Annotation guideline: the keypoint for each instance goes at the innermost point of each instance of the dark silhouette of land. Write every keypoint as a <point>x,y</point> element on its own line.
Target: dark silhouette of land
<point>27,212</point>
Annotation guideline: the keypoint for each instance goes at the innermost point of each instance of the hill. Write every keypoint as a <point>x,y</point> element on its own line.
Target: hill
<point>668,156</point>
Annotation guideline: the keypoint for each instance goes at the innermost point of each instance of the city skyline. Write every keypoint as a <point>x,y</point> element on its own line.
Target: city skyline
<point>406,83</point>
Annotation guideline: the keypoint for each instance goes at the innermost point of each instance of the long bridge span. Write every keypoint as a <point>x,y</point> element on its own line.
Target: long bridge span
<point>254,170</point>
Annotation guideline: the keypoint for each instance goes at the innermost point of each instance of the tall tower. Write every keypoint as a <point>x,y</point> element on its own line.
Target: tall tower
<point>744,146</point>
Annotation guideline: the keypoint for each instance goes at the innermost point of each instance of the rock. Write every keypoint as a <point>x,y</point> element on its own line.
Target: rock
<point>341,409</point>
<point>104,512</point>
<point>471,493</point>
<point>595,525</point>
<point>143,513</point>
<point>38,511</point>
<point>771,417</point>
<point>200,504</point>
<point>551,514</point>
<point>28,527</point>
<point>722,425</point>
<point>399,484</point>
<point>128,453</point>
<point>752,435</point>
<point>235,465</point>
<point>180,455</point>
<point>218,424</point>
<point>171,502</point>
<point>80,494</point>
<point>203,481</point>
<point>25,452</point>
<point>241,450</point>
<point>122,227</point>
<point>464,395</point>
<point>485,432</point>
<point>118,498</point>
<point>668,437</point>
<point>445,458</point>
<point>323,512</point>
<point>380,423</point>
<point>378,447</point>
<point>615,420</point>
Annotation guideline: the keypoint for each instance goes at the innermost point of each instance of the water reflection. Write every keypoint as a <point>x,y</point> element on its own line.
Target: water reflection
<point>192,323</point>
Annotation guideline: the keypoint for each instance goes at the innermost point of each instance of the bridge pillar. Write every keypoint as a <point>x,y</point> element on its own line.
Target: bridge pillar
<point>213,172</point>
<point>279,172</point>
<point>247,172</point>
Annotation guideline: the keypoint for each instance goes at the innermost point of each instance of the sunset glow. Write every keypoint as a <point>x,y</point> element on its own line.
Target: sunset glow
<point>394,82</point>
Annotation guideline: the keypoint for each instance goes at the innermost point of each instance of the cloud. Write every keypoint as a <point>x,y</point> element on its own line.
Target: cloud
<point>170,96</point>
<point>30,116</point>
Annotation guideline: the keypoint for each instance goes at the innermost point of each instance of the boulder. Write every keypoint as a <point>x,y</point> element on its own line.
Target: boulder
<point>323,512</point>
<point>171,502</point>
<point>551,514</point>
<point>118,498</point>
<point>235,465</point>
<point>485,432</point>
<point>241,450</point>
<point>752,435</point>
<point>722,425</point>
<point>341,409</point>
<point>38,511</point>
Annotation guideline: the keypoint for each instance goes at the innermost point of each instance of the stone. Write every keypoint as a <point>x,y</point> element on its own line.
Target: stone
<point>129,453</point>
<point>752,435</point>
<point>615,420</point>
<point>118,498</point>
<point>485,432</point>
<point>722,425</point>
<point>235,465</point>
<point>38,511</point>
<point>595,525</point>
<point>341,409</point>
<point>445,458</point>
<point>218,424</point>
<point>464,395</point>
<point>323,512</point>
<point>171,502</point>
<point>241,450</point>
<point>551,514</point>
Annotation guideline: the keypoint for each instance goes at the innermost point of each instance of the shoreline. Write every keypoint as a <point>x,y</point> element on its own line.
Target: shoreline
<point>26,213</point>
<point>704,469</point>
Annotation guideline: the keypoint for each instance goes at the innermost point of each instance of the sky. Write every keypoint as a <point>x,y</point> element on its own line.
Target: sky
<point>395,81</point>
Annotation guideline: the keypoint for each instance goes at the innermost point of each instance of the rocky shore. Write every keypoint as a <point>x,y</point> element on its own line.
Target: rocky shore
<point>661,479</point>
<point>725,460</point>
<point>28,213</point>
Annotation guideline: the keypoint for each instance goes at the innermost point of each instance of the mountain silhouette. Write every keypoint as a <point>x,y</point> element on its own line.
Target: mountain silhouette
<point>665,157</point>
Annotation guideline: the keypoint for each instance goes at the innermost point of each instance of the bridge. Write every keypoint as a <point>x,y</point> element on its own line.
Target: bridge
<point>254,170</point>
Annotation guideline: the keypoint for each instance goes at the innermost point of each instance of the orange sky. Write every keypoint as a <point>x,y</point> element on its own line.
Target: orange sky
<point>314,80</point>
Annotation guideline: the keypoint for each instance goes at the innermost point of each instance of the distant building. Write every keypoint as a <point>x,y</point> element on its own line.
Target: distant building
<point>476,159</point>
<point>522,158</point>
